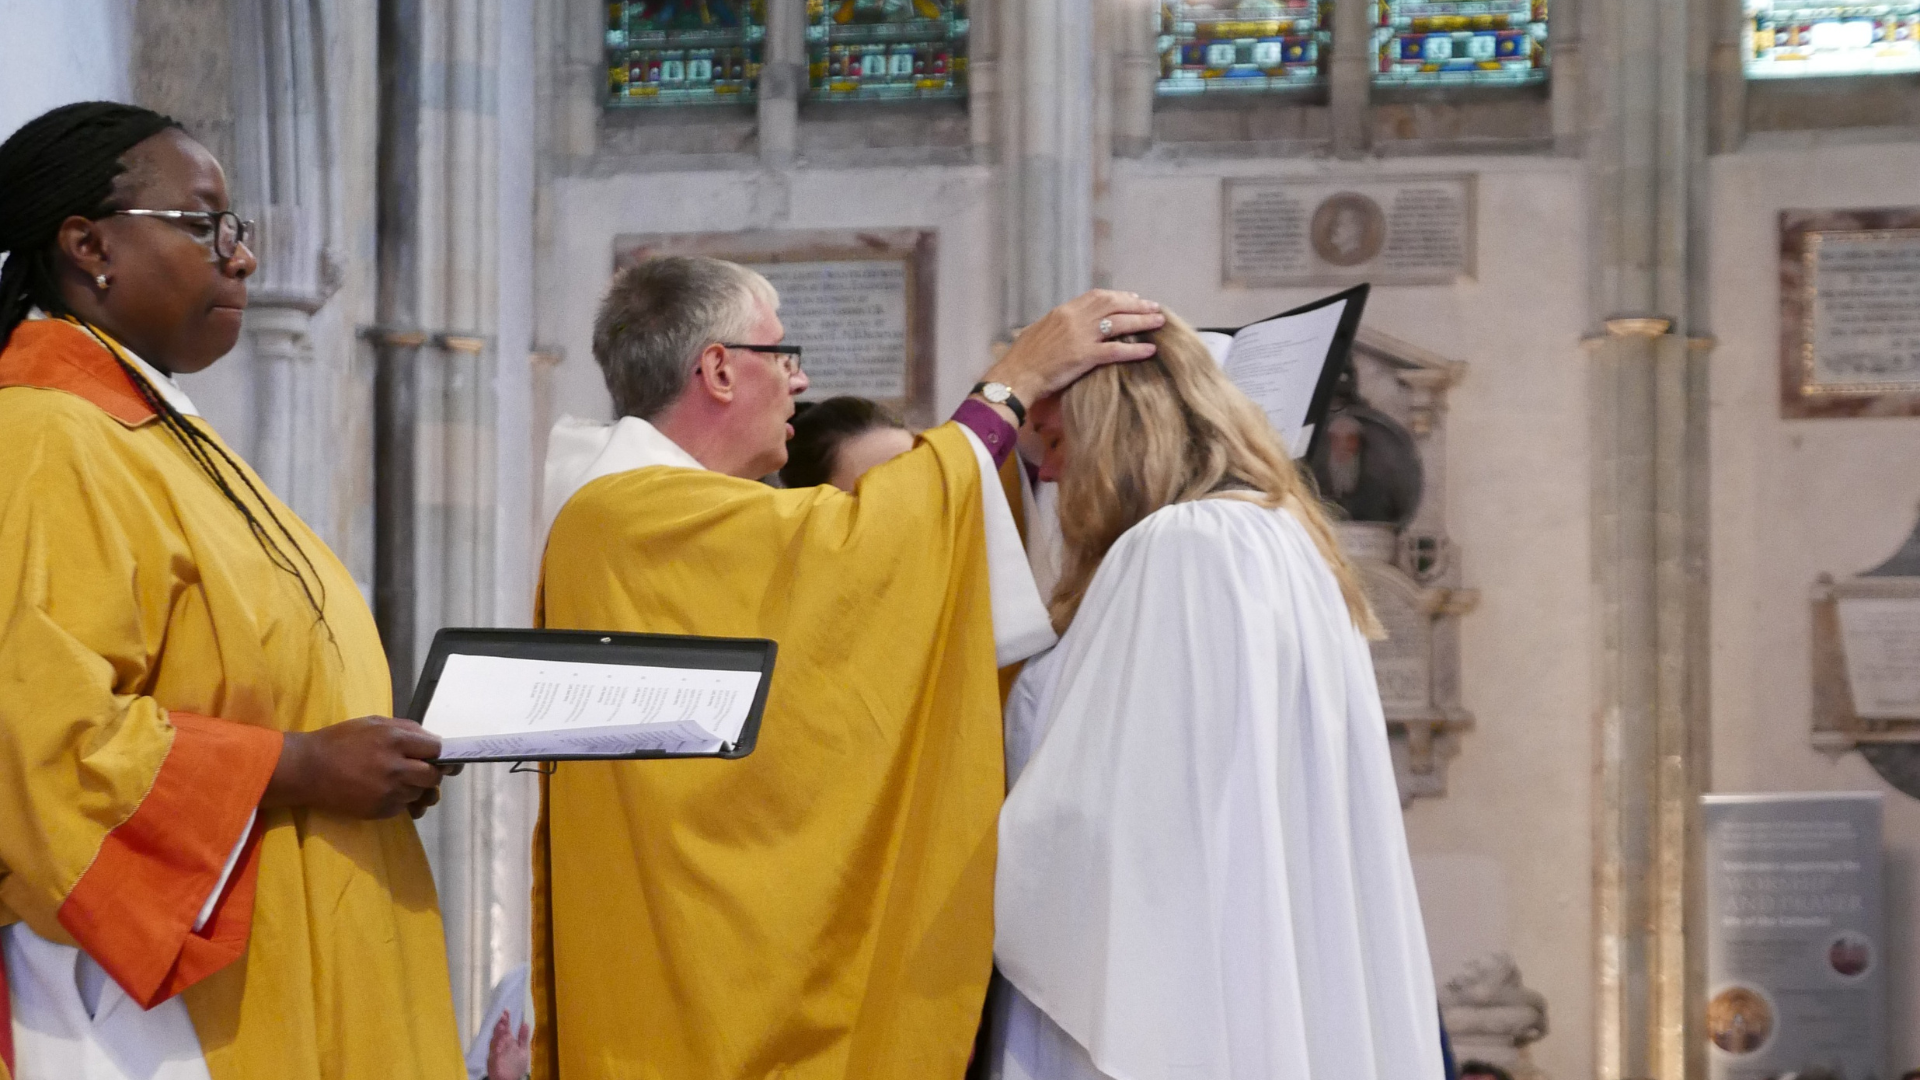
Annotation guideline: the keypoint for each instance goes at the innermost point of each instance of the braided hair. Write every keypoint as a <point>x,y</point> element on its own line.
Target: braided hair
<point>64,164</point>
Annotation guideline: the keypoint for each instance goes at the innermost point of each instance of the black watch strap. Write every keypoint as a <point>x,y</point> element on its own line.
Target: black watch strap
<point>1012,402</point>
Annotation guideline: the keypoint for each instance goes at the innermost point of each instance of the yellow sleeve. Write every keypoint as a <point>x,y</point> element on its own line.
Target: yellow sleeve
<point>116,817</point>
<point>931,487</point>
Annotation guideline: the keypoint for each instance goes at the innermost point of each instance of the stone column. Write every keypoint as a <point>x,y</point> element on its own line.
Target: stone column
<point>783,78</point>
<point>1136,73</point>
<point>1350,77</point>
<point>286,175</point>
<point>986,105</point>
<point>1046,152</point>
<point>477,837</point>
<point>1646,102</point>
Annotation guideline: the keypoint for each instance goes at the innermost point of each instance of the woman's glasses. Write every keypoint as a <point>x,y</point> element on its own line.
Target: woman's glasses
<point>220,231</point>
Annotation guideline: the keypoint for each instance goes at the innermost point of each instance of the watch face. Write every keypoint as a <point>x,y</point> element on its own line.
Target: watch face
<point>998,393</point>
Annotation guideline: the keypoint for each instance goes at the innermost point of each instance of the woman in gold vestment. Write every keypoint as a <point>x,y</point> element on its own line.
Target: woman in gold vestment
<point>205,869</point>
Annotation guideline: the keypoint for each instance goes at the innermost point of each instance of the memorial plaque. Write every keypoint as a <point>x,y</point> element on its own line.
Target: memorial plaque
<point>1850,312</point>
<point>859,302</point>
<point>851,315</point>
<point>1865,648</point>
<point>1403,231</point>
<point>1402,662</point>
<point>1880,636</point>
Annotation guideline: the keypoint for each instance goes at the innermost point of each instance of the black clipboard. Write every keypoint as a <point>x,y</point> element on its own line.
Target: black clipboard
<point>609,647</point>
<point>1339,354</point>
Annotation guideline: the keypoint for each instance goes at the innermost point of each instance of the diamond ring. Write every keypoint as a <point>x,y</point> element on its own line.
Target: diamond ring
<point>1106,328</point>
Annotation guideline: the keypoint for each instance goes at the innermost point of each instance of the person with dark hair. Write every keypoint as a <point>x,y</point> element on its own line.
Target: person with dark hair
<point>206,867</point>
<point>837,440</point>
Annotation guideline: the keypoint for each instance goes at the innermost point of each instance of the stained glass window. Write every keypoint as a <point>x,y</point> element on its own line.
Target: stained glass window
<point>1792,38</point>
<point>684,52</point>
<point>883,50</point>
<point>1459,42</point>
<point>1228,45</point>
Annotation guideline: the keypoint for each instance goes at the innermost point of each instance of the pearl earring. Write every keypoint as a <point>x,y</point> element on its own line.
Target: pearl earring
<point>100,280</point>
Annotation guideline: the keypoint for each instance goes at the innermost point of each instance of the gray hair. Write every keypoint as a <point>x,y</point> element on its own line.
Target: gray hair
<point>660,315</point>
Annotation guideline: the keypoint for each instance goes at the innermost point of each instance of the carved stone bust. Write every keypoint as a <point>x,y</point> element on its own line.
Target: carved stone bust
<point>1492,1016</point>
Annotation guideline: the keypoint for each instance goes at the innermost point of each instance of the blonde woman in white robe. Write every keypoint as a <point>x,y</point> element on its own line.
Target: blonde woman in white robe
<point>1203,872</point>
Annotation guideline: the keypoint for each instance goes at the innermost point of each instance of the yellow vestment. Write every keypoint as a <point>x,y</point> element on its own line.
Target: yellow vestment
<point>824,907</point>
<point>150,654</point>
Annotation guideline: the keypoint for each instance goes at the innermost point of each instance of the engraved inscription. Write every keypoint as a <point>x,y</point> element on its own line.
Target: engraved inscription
<point>1400,662</point>
<point>1881,638</point>
<point>1411,231</point>
<point>1426,230</point>
<point>851,317</point>
<point>1864,295</point>
<point>1266,233</point>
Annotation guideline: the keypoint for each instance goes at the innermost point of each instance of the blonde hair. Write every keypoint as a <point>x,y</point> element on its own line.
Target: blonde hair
<point>1167,430</point>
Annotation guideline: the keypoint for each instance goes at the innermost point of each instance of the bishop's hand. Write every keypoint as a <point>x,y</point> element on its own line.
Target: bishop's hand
<point>1073,339</point>
<point>370,767</point>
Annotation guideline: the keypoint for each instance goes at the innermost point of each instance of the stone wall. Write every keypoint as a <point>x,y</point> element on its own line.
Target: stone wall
<point>1503,859</point>
<point>1793,499</point>
<point>55,53</point>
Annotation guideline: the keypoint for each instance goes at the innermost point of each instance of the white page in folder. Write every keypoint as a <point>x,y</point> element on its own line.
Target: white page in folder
<point>493,706</point>
<point>1278,363</point>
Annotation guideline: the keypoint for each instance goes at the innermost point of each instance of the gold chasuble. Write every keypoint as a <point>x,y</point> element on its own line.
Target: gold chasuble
<point>823,908</point>
<point>149,656</point>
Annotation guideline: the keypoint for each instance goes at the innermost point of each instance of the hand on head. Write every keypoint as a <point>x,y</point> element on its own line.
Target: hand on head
<point>1068,342</point>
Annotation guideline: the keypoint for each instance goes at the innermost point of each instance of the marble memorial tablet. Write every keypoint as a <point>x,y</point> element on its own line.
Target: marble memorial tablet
<point>1400,231</point>
<point>1880,636</point>
<point>1850,312</point>
<point>851,315</point>
<point>860,302</point>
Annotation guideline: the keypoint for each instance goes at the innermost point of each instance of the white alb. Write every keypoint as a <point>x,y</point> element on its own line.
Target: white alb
<point>1203,870</point>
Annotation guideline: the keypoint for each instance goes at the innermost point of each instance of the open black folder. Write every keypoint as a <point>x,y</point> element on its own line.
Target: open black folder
<point>1289,364</point>
<point>566,695</point>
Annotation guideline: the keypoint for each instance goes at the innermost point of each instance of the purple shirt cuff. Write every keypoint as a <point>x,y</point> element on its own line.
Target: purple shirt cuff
<point>993,429</point>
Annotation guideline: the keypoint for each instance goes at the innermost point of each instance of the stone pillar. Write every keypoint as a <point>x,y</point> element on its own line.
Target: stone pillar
<point>1647,163</point>
<point>291,403</point>
<point>476,838</point>
<point>1047,152</point>
<point>1350,78</point>
<point>1136,72</point>
<point>985,104</point>
<point>783,78</point>
<point>285,170</point>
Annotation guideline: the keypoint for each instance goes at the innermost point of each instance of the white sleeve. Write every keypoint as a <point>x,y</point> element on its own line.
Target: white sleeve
<point>1020,623</point>
<point>233,860</point>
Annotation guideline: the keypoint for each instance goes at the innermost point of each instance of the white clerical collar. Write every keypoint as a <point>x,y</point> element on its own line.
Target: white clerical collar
<point>161,382</point>
<point>582,451</point>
